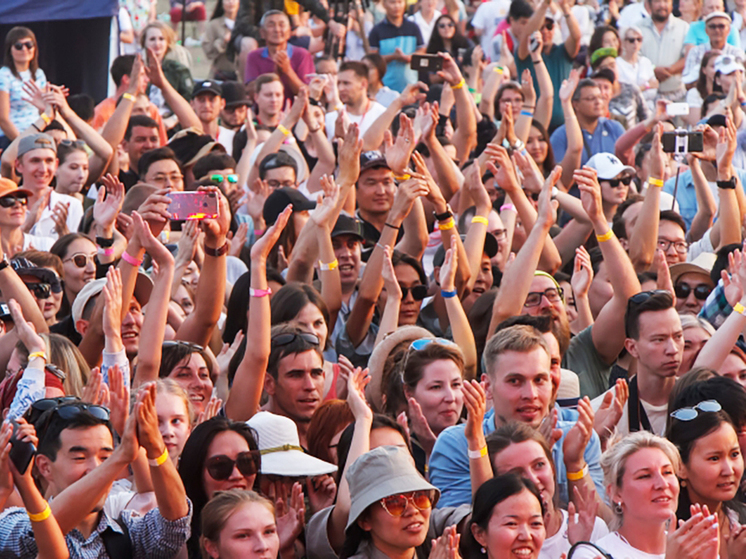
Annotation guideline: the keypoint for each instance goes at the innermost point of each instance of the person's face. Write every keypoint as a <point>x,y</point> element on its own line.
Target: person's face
<point>73,173</point>
<point>395,535</point>
<point>394,8</point>
<point>281,177</point>
<point>614,195</point>
<point>715,466</point>
<point>410,307</point>
<point>327,66</point>
<point>276,30</point>
<point>660,347</point>
<point>591,103</point>
<point>191,275</point>
<point>601,291</point>
<point>375,190</point>
<point>155,40</point>
<point>649,487</point>
<point>81,451</point>
<point>709,69</point>
<point>373,76</point>
<point>555,360</point>
<point>26,54</point>
<point>726,81</point>
<point>46,306</point>
<point>439,394</point>
<point>547,32</point>
<point>694,340</point>
<point>606,88</point>
<point>692,280</point>
<point>310,319</point>
<point>230,7</point>
<point>570,308</point>
<point>632,42</point>
<point>734,368</point>
<point>660,9</point>
<point>299,387</point>
<point>142,139</point>
<point>182,298</point>
<point>537,146</point>
<point>347,251</point>
<point>234,117</point>
<point>709,6</point>
<point>193,376</point>
<point>528,460</point>
<point>131,326</point>
<point>514,99</point>
<point>521,386</point>
<point>717,30</point>
<point>270,97</point>
<point>173,422</point>
<point>517,26</point>
<point>630,216</point>
<point>555,309</point>
<point>249,533</point>
<point>352,88</point>
<point>610,40</point>
<point>141,106</point>
<point>165,174</point>
<point>14,216</point>
<point>230,444</point>
<point>75,277</point>
<point>37,167</point>
<point>207,105</point>
<point>446,28</point>
<point>516,528</point>
<point>482,284</point>
<point>386,436</point>
<point>672,240</point>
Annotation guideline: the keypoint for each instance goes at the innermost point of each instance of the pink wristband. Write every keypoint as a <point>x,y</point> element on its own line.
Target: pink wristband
<point>509,207</point>
<point>131,260</point>
<point>107,251</point>
<point>259,292</point>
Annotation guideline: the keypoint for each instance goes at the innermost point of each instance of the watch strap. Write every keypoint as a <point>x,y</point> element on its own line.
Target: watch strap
<point>217,252</point>
<point>103,242</point>
<point>730,184</point>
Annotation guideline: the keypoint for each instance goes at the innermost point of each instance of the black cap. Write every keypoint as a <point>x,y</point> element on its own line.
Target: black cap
<point>205,86</point>
<point>280,199</point>
<point>716,120</point>
<point>24,267</point>
<point>490,249</point>
<point>189,146</point>
<point>348,225</point>
<point>604,74</point>
<point>234,94</point>
<point>372,160</point>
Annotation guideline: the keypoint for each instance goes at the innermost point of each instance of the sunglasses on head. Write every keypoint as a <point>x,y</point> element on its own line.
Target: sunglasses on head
<point>80,259</point>
<point>701,292</point>
<point>422,343</point>
<point>419,292</point>
<point>233,179</point>
<point>687,414</point>
<point>181,343</point>
<point>40,290</point>
<point>66,411</point>
<point>220,467</point>
<point>10,201</point>
<point>20,45</point>
<point>289,337</point>
<point>80,144</point>
<point>396,505</point>
<point>36,409</point>
<point>626,181</point>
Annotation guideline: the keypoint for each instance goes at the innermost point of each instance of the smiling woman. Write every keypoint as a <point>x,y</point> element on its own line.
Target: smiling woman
<point>191,368</point>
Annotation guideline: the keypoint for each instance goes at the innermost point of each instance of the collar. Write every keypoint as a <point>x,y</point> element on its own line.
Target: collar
<point>289,50</point>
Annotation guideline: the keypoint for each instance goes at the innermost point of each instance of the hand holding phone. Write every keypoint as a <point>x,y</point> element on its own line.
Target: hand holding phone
<point>426,62</point>
<point>21,452</point>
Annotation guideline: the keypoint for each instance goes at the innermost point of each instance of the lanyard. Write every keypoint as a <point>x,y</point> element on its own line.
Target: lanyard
<point>637,415</point>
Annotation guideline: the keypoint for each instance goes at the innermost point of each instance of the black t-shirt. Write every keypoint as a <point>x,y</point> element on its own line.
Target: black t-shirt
<point>129,179</point>
<point>66,327</point>
<point>371,235</point>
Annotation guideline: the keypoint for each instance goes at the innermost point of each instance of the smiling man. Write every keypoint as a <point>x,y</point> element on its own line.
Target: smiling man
<point>207,101</point>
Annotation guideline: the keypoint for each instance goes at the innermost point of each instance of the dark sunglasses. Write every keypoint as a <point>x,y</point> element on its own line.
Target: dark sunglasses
<point>37,409</point>
<point>687,414</point>
<point>80,144</point>
<point>233,179</point>
<point>20,45</point>
<point>220,467</point>
<point>626,181</point>
<point>396,505</point>
<point>701,292</point>
<point>81,260</point>
<point>419,292</point>
<point>447,25</point>
<point>10,201</point>
<point>40,290</point>
<point>549,24</point>
<point>634,39</point>
<point>717,26</point>
<point>289,337</point>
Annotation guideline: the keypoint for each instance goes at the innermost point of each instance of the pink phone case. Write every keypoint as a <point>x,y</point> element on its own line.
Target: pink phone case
<point>193,205</point>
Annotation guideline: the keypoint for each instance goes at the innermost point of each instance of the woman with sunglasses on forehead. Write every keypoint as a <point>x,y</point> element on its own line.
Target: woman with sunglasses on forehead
<point>13,212</point>
<point>20,64</point>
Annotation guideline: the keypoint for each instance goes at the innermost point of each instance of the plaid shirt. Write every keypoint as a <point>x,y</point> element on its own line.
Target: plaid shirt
<point>153,537</point>
<point>716,308</point>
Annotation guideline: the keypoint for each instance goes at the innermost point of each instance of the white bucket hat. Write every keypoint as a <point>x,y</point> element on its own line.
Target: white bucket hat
<point>279,445</point>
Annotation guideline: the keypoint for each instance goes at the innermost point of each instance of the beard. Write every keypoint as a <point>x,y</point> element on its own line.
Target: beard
<point>561,331</point>
<point>658,17</point>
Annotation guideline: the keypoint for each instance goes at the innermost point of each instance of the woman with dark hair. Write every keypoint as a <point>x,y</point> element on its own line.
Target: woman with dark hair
<point>509,93</point>
<point>539,147</point>
<point>79,260</point>
<point>376,70</point>
<point>446,37</point>
<point>20,64</point>
<point>604,37</point>
<point>191,367</point>
<point>216,38</point>
<point>703,87</point>
<point>218,456</point>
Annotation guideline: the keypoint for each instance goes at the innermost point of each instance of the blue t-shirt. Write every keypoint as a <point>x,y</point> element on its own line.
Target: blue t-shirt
<point>387,37</point>
<point>697,35</point>
<point>602,140</point>
<point>22,114</point>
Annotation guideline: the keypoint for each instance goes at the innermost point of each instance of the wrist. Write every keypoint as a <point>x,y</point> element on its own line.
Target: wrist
<point>155,452</point>
<point>105,230</point>
<point>574,466</point>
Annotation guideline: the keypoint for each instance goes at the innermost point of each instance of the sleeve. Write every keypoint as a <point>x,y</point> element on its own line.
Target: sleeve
<point>440,519</point>
<point>582,358</point>
<point>306,67</point>
<point>111,359</point>
<point>155,537</point>
<point>74,214</point>
<point>318,545</point>
<point>5,78</point>
<point>373,39</point>
<point>559,143</point>
<point>449,468</point>
<point>30,388</point>
<point>418,37</point>
<point>251,73</point>
<point>734,38</point>
<point>16,535</point>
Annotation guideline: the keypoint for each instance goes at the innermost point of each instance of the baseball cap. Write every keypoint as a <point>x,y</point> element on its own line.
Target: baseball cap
<point>713,15</point>
<point>90,290</point>
<point>36,141</point>
<point>372,160</point>
<point>348,225</point>
<point>189,145</point>
<point>727,64</point>
<point>234,94</point>
<point>8,187</point>
<point>280,199</point>
<point>207,86</point>
<point>608,165</point>
<point>604,74</point>
<point>24,267</point>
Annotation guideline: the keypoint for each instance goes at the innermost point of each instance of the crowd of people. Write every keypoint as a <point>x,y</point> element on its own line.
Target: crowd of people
<point>458,280</point>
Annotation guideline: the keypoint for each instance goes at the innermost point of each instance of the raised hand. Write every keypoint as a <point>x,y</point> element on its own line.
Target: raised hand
<point>154,210</point>
<point>448,270</point>
<point>547,210</point>
<point>446,546</point>
<point>6,478</point>
<point>582,273</point>
<point>153,70</point>
<point>584,503</point>
<point>475,187</point>
<point>590,193</point>
<point>419,426</point>
<point>290,513</point>
<point>211,410</point>
<point>399,152</point>
<point>119,398</point>
<point>298,107</point>
<point>109,200</point>
<point>59,217</point>
<point>321,492</point>
<point>238,240</point>
<point>325,214</point>
<point>187,245</point>
<point>147,422</point>
<point>259,193</point>
<point>25,330</point>
<point>405,196</point>
<point>262,247</point>
<point>112,318</point>
<point>450,72</point>
<point>349,148</point>
<point>527,87</point>
<point>502,168</point>
<point>95,391</point>
<point>475,400</point>
<point>390,283</point>
<point>726,146</point>
<point>611,410</point>
<point>567,89</point>
<point>578,437</point>
<point>34,95</point>
<point>413,93</point>
<point>356,384</point>
<point>697,538</point>
<point>657,157</point>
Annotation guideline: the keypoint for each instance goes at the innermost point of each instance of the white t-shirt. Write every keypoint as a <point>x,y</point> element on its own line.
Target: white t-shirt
<point>45,226</point>
<point>614,545</point>
<point>486,19</point>
<point>657,416</point>
<point>693,98</point>
<point>636,74</point>
<point>225,139</point>
<point>363,121</point>
<point>558,544</point>
<point>426,29</point>
<point>37,243</point>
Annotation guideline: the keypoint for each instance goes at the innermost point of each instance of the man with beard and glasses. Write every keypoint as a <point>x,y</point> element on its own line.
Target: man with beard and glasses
<point>524,290</point>
<point>663,43</point>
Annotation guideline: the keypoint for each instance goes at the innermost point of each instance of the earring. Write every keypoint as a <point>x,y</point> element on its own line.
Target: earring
<point>682,483</point>
<point>618,508</point>
<point>483,550</point>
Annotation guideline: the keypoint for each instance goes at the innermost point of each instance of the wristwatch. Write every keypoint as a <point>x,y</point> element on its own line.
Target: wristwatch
<point>730,184</point>
<point>445,215</point>
<point>103,242</point>
<point>217,252</point>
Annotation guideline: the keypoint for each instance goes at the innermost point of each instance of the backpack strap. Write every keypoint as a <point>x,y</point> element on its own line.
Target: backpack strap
<point>118,545</point>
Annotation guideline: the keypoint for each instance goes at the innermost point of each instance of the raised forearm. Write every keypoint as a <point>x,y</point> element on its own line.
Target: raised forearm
<point>448,174</point>
<point>154,324</point>
<point>373,137</point>
<point>574,152</point>
<point>169,491</point>
<point>208,303</point>
<point>643,239</point>
<point>180,107</point>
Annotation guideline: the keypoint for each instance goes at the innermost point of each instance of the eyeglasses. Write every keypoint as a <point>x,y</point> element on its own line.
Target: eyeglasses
<point>181,343</point>
<point>626,181</point>
<point>233,179</point>
<point>633,39</point>
<point>499,234</point>
<point>717,26</point>
<point>10,201</point>
<point>419,292</point>
<point>80,144</point>
<point>220,467</point>
<point>40,290</point>
<point>81,259</point>
<point>701,292</point>
<point>274,183</point>
<point>446,25</point>
<point>20,45</point>
<point>288,338</point>
<point>680,246</point>
<point>396,505</point>
<point>549,25</point>
<point>553,295</point>
<point>592,99</point>
<point>687,414</point>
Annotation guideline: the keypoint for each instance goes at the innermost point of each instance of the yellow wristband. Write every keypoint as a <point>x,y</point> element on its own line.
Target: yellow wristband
<point>128,96</point>
<point>739,308</point>
<point>328,267</point>
<point>38,354</point>
<point>480,219</point>
<point>605,237</point>
<point>46,118</point>
<point>401,178</point>
<point>498,70</point>
<point>577,476</point>
<point>450,223</point>
<point>459,85</point>
<point>655,182</point>
<point>40,517</point>
<point>284,130</point>
<point>477,454</point>
<point>160,460</point>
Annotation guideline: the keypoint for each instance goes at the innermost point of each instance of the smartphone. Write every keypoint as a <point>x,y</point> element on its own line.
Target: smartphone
<point>681,141</point>
<point>193,205</point>
<point>21,452</point>
<point>533,44</point>
<point>5,312</point>
<point>428,62</point>
<point>677,109</point>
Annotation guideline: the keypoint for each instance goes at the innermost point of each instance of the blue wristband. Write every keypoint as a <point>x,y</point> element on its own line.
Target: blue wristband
<point>448,294</point>
<point>527,113</point>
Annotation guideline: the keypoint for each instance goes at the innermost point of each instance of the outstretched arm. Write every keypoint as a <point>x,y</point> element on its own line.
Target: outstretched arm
<point>180,106</point>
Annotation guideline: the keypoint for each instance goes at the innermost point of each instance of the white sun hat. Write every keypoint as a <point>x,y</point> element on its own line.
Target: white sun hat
<point>279,445</point>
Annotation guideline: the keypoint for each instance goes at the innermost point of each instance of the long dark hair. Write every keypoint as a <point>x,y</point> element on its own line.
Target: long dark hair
<point>290,300</point>
<point>13,36</point>
<point>192,463</point>
<point>174,352</point>
<point>548,166</point>
<point>436,43</point>
<point>702,80</point>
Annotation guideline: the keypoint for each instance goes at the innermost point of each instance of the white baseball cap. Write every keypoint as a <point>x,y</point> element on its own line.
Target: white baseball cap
<point>608,165</point>
<point>727,64</point>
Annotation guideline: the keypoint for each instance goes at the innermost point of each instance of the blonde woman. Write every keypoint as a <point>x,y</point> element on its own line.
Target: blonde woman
<point>161,40</point>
